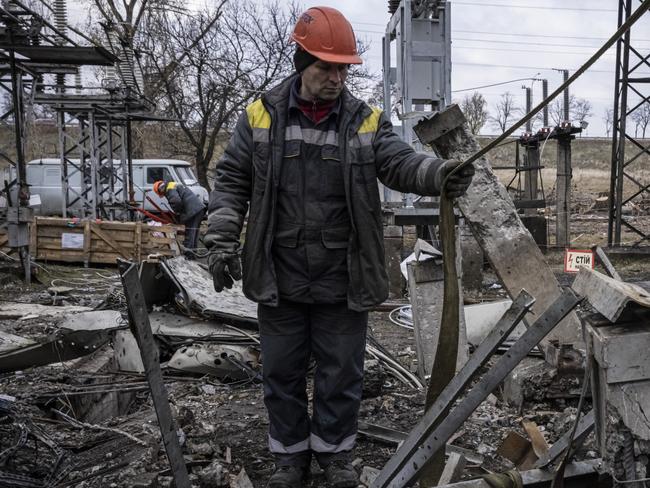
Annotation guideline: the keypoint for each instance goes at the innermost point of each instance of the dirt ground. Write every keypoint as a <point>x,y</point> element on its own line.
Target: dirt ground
<point>225,425</point>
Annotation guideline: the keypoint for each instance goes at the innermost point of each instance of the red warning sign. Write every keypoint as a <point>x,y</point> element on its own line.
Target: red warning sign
<point>574,259</point>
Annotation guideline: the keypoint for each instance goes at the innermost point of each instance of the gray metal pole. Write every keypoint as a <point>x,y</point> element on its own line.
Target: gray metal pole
<point>563,188</point>
<point>529,106</point>
<point>544,97</point>
<point>565,77</point>
<point>530,175</point>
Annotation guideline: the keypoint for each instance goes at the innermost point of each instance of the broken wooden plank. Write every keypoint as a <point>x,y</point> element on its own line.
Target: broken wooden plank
<point>494,221</point>
<point>539,444</point>
<point>604,260</point>
<point>453,469</point>
<point>608,296</point>
<point>517,449</point>
<point>139,323</point>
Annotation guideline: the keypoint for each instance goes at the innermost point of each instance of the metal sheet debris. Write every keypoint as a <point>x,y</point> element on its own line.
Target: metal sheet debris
<point>223,361</point>
<point>196,288</point>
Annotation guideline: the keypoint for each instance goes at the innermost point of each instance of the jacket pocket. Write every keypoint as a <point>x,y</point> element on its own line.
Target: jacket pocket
<point>287,237</point>
<point>332,183</point>
<point>336,238</point>
<point>289,173</point>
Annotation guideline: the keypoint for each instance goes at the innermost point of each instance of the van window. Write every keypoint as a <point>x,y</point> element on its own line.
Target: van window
<point>52,177</point>
<point>186,174</point>
<point>155,174</point>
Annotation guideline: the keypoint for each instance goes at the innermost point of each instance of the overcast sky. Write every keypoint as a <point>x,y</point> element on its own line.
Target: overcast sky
<point>502,40</point>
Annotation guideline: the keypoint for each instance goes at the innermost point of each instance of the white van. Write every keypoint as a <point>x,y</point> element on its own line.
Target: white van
<point>44,179</point>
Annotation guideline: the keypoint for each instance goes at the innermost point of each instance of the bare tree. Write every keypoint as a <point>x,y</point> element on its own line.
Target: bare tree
<point>505,110</point>
<point>242,55</point>
<point>474,107</point>
<point>579,110</point>
<point>608,118</point>
<point>641,118</point>
<point>377,98</point>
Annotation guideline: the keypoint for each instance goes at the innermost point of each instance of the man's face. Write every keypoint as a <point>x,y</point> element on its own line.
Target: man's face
<point>323,80</point>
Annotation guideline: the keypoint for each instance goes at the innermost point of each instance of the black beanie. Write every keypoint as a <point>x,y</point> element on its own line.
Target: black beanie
<point>302,59</point>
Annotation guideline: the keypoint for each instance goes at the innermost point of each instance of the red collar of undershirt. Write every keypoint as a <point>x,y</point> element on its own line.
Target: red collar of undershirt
<point>315,110</point>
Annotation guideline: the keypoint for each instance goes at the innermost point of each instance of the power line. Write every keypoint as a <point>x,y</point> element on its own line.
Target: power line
<point>535,7</point>
<point>538,51</point>
<point>528,34</point>
<point>543,44</point>
<point>495,84</point>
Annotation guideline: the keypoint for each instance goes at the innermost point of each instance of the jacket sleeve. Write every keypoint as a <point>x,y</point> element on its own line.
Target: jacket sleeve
<point>232,188</point>
<point>175,200</point>
<point>400,167</point>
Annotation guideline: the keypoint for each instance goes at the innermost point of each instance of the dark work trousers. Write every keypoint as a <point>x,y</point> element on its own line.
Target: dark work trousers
<point>335,336</point>
<point>192,227</point>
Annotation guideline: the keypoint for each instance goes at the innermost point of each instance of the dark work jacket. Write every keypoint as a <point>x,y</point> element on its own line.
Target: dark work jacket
<point>183,201</point>
<point>312,219</point>
<point>249,173</point>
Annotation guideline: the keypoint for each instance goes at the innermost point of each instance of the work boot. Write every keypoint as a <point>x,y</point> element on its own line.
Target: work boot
<point>287,477</point>
<point>341,474</point>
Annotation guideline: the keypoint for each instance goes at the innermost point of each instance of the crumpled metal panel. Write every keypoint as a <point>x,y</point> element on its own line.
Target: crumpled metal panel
<point>219,360</point>
<point>195,284</point>
<point>174,325</point>
<point>78,335</point>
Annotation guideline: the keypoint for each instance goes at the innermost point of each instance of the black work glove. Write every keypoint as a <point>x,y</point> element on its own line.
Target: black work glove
<point>225,268</point>
<point>457,183</point>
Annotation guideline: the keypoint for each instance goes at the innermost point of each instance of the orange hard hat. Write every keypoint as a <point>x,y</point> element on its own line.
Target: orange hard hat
<point>159,187</point>
<point>326,34</point>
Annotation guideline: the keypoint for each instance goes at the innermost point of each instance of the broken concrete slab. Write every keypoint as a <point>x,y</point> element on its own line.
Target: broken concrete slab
<point>10,342</point>
<point>78,334</point>
<point>426,290</point>
<point>495,222</point>
<point>94,320</point>
<point>619,350</point>
<point>609,296</point>
<point>196,287</point>
<point>24,311</point>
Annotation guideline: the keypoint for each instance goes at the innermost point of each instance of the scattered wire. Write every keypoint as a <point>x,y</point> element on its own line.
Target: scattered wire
<point>402,317</point>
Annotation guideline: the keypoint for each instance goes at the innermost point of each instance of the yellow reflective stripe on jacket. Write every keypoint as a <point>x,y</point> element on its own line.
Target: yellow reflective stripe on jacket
<point>371,122</point>
<point>171,185</point>
<point>258,116</point>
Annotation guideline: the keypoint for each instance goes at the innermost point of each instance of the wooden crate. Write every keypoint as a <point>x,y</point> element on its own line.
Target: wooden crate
<point>85,241</point>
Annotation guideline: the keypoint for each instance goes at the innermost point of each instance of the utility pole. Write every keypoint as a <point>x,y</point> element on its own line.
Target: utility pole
<point>544,97</point>
<point>531,161</point>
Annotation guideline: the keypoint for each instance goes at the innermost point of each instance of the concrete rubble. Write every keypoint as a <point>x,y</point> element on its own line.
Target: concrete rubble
<point>88,411</point>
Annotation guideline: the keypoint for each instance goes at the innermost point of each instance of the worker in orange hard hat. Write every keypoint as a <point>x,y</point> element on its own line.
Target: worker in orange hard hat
<point>303,164</point>
<point>188,207</point>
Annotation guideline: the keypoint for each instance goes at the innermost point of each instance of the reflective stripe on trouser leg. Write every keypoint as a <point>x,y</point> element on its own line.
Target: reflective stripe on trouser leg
<point>338,379</point>
<point>285,359</point>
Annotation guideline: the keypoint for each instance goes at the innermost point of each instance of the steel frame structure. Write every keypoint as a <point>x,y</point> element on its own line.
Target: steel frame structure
<point>625,187</point>
<point>421,30</point>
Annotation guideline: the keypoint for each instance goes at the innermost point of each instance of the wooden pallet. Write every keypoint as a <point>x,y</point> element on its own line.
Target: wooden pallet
<point>85,241</point>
